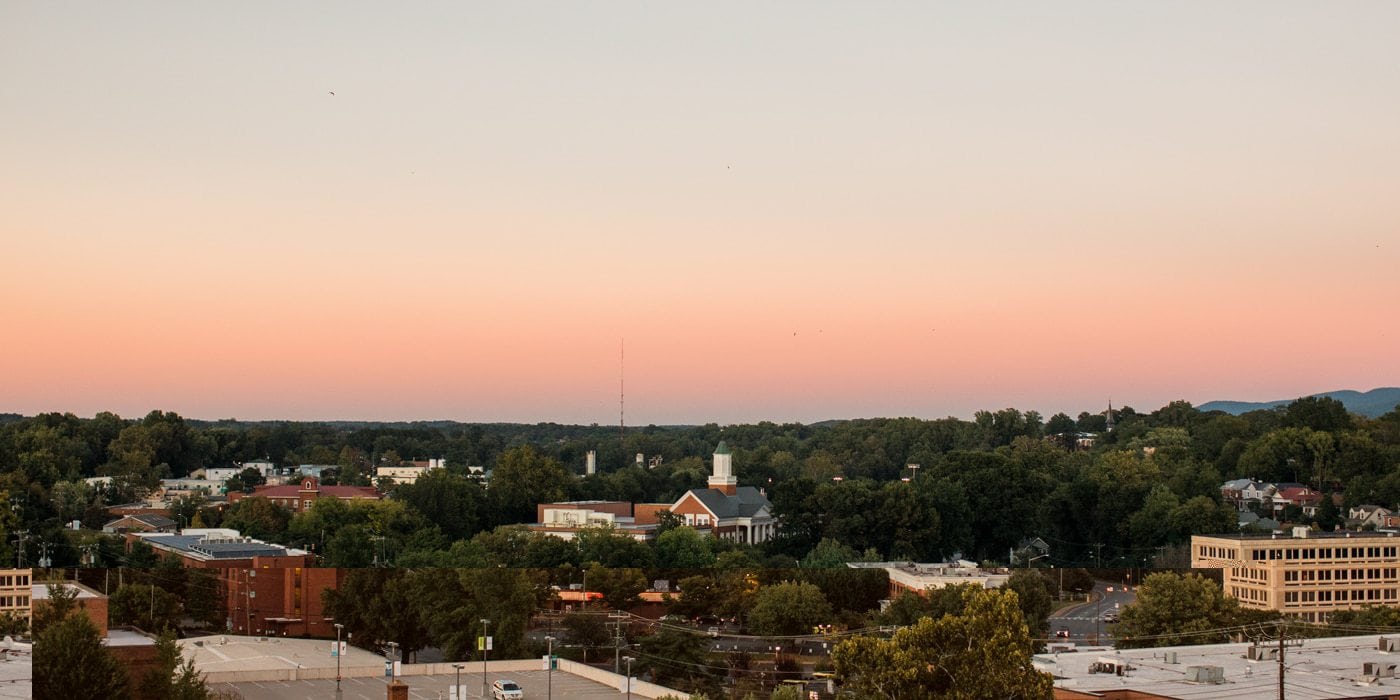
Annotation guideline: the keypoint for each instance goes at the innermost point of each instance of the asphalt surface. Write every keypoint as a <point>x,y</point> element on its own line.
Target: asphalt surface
<point>1085,621</point>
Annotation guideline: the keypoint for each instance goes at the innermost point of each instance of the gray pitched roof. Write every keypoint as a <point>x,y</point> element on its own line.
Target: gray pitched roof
<point>746,502</point>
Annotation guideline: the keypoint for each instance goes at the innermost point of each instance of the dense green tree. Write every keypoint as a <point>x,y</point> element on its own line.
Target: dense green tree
<point>788,608</point>
<point>1034,596</point>
<point>1173,610</point>
<point>982,652</point>
<point>612,548</point>
<point>677,659</point>
<point>523,478</point>
<point>683,548</point>
<point>148,607</point>
<point>379,606</point>
<point>71,663</point>
<point>258,517</point>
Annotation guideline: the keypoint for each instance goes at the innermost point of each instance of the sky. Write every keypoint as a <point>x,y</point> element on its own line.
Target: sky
<point>730,211</point>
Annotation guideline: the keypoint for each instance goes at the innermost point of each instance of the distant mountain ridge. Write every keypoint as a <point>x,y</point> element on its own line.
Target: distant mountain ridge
<point>1372,404</point>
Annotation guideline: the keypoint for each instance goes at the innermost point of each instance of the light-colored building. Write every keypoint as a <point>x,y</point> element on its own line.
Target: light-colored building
<point>408,472</point>
<point>15,592</point>
<point>1310,574</point>
<point>735,512</point>
<point>907,576</point>
<point>566,519</point>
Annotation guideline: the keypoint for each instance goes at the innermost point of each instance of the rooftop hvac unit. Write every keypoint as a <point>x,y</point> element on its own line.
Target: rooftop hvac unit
<point>1171,657</point>
<point>1379,669</point>
<point>1205,674</point>
<point>1388,644</point>
<point>1258,653</point>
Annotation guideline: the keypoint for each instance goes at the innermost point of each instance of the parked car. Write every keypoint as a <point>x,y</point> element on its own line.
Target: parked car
<point>506,690</point>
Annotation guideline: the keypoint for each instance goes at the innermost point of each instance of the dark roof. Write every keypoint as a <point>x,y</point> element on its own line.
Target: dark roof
<point>722,449</point>
<point>194,544</point>
<point>746,502</point>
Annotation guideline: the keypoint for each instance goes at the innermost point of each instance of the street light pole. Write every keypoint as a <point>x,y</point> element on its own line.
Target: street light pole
<point>393,656</point>
<point>338,628</point>
<point>457,693</point>
<point>550,660</point>
<point>484,650</point>
<point>629,661</point>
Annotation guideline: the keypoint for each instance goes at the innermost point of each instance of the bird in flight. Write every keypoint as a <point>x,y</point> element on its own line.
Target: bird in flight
<point>332,93</point>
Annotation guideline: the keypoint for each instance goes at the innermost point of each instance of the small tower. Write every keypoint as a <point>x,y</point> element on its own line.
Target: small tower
<point>1108,423</point>
<point>722,479</point>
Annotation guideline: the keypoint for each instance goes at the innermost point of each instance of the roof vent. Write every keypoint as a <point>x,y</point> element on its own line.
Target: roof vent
<point>1378,669</point>
<point>1258,653</point>
<point>1205,674</point>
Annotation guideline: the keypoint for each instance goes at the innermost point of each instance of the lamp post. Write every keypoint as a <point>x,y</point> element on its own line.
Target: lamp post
<point>484,645</point>
<point>629,661</point>
<point>549,659</point>
<point>393,656</point>
<point>338,628</point>
<point>457,693</point>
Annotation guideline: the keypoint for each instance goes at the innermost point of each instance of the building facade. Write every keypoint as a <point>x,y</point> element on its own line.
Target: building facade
<point>15,593</point>
<point>1309,575</point>
<point>299,497</point>
<point>740,513</point>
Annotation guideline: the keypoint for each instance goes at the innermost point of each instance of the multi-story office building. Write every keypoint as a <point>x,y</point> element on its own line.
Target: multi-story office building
<point>15,592</point>
<point>1310,575</point>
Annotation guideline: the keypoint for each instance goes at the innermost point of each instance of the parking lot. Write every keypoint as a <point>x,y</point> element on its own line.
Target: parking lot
<point>535,683</point>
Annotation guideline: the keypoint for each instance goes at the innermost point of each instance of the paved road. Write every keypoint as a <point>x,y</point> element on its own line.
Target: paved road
<point>1085,622</point>
<point>535,684</point>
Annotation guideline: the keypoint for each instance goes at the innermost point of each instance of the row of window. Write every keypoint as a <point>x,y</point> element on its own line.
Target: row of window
<point>1209,552</point>
<point>12,580</point>
<point>14,601</point>
<point>1310,553</point>
<point>1359,595</point>
<point>1339,575</point>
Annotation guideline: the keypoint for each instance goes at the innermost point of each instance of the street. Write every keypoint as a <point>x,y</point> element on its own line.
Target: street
<point>1085,621</point>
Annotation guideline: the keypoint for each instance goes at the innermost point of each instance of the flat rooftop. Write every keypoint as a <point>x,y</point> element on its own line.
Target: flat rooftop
<point>240,653</point>
<point>1316,668</point>
<point>216,547</point>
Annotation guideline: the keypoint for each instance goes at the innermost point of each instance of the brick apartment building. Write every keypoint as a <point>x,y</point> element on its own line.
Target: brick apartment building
<point>267,589</point>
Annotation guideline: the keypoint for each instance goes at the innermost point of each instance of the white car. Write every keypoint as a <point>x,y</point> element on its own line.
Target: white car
<point>506,690</point>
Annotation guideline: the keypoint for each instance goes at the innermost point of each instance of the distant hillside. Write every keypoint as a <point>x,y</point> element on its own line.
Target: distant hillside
<point>1372,404</point>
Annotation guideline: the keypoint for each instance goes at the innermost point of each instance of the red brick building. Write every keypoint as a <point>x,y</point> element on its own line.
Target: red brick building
<point>298,497</point>
<point>268,589</point>
<point>272,598</point>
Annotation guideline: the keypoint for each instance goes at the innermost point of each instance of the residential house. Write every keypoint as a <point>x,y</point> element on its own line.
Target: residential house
<point>1361,516</point>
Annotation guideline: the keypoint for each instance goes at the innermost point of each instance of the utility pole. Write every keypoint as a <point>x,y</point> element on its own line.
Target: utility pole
<point>1280,628</point>
<point>19,550</point>
<point>617,641</point>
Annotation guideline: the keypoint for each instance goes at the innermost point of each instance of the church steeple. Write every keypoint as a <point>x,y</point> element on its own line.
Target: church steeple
<point>1108,423</point>
<point>722,479</point>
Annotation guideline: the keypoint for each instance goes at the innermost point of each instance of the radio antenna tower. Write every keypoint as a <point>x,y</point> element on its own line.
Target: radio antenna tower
<point>621,388</point>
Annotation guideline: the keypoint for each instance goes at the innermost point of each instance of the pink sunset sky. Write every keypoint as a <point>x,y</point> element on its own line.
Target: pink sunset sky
<point>789,211</point>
